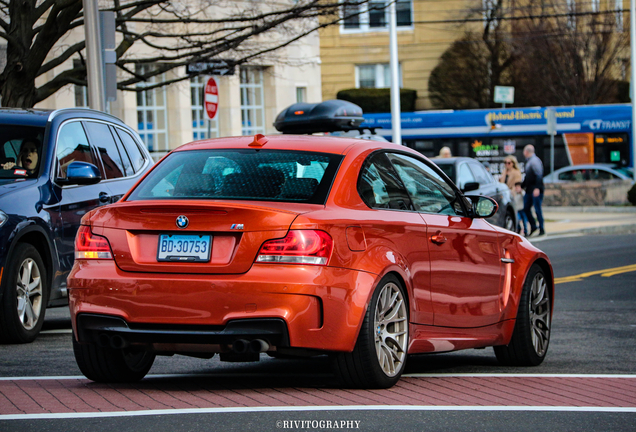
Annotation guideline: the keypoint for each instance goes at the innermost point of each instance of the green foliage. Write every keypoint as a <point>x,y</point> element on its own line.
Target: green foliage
<point>378,100</point>
<point>631,195</point>
<point>461,80</point>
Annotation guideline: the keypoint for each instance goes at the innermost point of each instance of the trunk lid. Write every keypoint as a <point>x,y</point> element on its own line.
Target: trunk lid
<point>237,231</point>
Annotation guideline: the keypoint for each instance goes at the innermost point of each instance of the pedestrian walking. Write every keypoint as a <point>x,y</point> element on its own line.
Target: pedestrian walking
<point>445,152</point>
<point>533,185</point>
<point>511,174</point>
<point>522,219</point>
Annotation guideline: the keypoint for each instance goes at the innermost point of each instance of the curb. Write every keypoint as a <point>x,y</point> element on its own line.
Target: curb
<point>590,209</point>
<point>611,229</point>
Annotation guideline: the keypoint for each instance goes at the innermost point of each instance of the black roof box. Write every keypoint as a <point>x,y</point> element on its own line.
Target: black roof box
<point>327,116</point>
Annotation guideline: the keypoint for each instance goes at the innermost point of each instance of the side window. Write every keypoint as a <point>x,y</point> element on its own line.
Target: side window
<point>132,148</point>
<point>464,175</point>
<point>72,146</point>
<point>598,174</point>
<point>427,189</point>
<point>379,185</point>
<point>104,142</point>
<point>125,159</point>
<point>481,174</point>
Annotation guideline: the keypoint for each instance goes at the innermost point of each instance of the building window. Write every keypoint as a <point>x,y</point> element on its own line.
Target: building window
<point>152,120</point>
<point>252,105</point>
<point>571,10</point>
<point>490,11</point>
<point>201,127</point>
<point>81,92</point>
<point>375,75</point>
<point>618,7</point>
<point>301,94</point>
<point>375,15</point>
<point>596,5</point>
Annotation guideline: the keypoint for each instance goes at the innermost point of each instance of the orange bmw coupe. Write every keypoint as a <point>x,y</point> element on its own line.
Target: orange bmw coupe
<point>297,246</point>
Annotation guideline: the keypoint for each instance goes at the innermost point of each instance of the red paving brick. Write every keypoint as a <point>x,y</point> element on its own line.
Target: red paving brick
<point>33,396</point>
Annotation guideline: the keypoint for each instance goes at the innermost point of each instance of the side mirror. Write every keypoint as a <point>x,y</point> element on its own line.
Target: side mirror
<point>483,206</point>
<point>470,186</point>
<point>81,173</point>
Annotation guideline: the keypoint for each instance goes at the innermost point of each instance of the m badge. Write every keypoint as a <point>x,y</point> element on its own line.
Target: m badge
<point>236,227</point>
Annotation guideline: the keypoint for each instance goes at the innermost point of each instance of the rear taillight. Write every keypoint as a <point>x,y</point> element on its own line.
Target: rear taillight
<point>91,246</point>
<point>298,247</point>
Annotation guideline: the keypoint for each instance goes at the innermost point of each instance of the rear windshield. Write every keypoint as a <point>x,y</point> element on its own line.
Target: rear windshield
<point>449,170</point>
<point>20,151</point>
<point>262,175</point>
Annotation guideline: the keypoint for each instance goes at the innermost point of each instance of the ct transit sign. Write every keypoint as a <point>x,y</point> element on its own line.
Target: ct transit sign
<point>211,98</point>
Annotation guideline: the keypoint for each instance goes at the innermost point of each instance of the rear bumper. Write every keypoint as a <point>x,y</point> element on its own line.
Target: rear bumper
<point>91,327</point>
<point>290,306</point>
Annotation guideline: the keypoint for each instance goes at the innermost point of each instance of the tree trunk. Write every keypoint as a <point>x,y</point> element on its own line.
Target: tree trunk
<point>18,87</point>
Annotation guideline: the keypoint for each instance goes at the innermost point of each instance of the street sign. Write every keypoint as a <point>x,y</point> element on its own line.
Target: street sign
<point>504,94</point>
<point>551,123</point>
<point>215,67</point>
<point>211,98</point>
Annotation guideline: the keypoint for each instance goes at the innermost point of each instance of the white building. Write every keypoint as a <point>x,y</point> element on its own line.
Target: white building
<point>249,100</point>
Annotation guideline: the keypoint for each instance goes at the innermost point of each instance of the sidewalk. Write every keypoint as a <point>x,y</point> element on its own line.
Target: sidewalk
<point>588,220</point>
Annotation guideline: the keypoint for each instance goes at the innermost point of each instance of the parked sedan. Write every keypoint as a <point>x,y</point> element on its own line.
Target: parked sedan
<point>471,176</point>
<point>302,245</point>
<point>587,172</point>
<point>55,166</point>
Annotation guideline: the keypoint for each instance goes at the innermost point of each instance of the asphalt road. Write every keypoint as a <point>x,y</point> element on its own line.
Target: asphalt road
<point>594,329</point>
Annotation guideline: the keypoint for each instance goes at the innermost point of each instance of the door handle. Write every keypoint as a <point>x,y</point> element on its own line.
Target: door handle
<point>104,197</point>
<point>438,238</point>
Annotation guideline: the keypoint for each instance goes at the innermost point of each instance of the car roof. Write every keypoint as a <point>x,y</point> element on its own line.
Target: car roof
<point>606,167</point>
<point>40,117</point>
<point>27,117</point>
<point>452,160</point>
<point>323,144</point>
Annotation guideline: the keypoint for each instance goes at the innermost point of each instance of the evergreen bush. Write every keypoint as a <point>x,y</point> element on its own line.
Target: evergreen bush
<point>378,100</point>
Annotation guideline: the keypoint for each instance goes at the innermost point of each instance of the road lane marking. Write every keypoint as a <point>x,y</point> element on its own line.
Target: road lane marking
<point>219,410</point>
<point>413,375</point>
<point>57,331</point>
<point>604,273</point>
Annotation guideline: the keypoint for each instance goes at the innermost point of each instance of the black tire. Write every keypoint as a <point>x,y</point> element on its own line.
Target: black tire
<point>25,291</point>
<point>363,368</point>
<point>531,335</point>
<point>110,365</point>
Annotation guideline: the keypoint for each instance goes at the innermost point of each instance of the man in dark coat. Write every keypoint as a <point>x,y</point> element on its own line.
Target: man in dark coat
<point>533,184</point>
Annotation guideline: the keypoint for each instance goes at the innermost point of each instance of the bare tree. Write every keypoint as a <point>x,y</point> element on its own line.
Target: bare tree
<point>469,70</point>
<point>164,34</point>
<point>552,53</point>
<point>573,58</point>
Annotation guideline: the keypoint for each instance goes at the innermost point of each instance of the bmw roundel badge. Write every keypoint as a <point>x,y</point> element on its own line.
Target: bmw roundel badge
<point>182,222</point>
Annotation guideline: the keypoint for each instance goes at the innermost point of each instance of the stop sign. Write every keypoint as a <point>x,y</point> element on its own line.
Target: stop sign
<point>211,98</point>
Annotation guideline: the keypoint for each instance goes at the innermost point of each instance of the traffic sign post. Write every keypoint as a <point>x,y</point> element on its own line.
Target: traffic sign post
<point>551,125</point>
<point>504,95</point>
<point>210,98</point>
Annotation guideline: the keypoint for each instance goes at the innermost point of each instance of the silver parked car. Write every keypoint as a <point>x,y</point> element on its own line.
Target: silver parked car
<point>587,172</point>
<point>471,176</point>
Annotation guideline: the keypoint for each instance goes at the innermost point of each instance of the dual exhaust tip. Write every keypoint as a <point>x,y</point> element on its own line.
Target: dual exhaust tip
<point>243,346</point>
<point>239,346</point>
<point>105,340</point>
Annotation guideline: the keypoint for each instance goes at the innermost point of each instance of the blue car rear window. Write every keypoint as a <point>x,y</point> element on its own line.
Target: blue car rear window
<point>262,175</point>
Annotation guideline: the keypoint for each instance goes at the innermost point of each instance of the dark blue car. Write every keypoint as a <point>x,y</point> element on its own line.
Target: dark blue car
<point>55,166</point>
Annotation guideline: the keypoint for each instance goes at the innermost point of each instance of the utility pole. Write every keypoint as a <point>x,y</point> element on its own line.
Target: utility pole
<point>94,62</point>
<point>396,121</point>
<point>632,31</point>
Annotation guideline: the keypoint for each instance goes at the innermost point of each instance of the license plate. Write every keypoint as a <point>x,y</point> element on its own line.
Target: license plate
<point>185,248</point>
